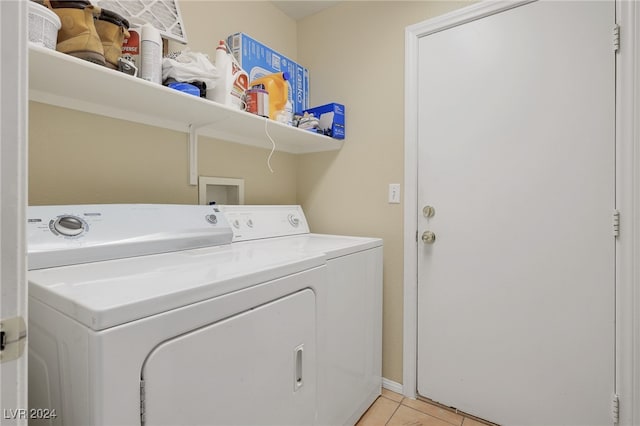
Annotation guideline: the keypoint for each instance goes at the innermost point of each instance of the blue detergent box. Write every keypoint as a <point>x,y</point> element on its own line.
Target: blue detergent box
<point>259,60</point>
<point>331,117</point>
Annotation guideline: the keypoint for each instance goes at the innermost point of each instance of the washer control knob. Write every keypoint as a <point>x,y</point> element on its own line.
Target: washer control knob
<point>236,224</point>
<point>69,225</point>
<point>293,220</point>
<point>212,219</point>
<point>250,223</point>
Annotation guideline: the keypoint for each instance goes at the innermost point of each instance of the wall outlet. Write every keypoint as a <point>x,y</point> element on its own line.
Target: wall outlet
<point>394,193</point>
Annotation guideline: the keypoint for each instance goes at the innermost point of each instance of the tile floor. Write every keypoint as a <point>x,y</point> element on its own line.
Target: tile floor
<point>393,409</point>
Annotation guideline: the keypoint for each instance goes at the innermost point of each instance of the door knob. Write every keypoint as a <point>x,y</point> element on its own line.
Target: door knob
<point>428,237</point>
<point>428,211</point>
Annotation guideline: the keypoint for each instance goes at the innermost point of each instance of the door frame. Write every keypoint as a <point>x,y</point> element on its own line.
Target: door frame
<point>13,189</point>
<point>627,196</point>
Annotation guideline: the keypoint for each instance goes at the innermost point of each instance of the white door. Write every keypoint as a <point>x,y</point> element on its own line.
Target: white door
<point>254,368</point>
<point>13,163</point>
<point>516,156</point>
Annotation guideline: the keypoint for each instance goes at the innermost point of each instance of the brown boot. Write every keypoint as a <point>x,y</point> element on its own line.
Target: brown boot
<point>78,36</point>
<point>112,30</point>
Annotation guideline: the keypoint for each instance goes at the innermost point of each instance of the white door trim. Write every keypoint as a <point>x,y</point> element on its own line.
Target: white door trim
<point>628,203</point>
<point>627,196</point>
<point>13,189</point>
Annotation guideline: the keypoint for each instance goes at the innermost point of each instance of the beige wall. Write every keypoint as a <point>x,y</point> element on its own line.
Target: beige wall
<point>355,54</point>
<point>208,21</point>
<point>79,158</point>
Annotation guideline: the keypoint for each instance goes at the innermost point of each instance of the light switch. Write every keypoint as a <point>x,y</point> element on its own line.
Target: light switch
<point>394,193</point>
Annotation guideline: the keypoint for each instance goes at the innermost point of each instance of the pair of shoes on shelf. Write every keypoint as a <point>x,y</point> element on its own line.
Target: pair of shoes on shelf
<point>89,32</point>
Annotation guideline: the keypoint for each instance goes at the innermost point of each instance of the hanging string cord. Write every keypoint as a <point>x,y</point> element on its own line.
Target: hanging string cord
<point>273,144</point>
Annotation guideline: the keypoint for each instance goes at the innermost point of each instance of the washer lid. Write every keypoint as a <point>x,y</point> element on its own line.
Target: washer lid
<point>331,245</point>
<point>105,294</point>
<point>67,235</point>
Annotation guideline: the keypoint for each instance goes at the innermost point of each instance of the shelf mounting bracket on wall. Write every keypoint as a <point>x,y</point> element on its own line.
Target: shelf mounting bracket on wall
<point>193,153</point>
<point>193,147</point>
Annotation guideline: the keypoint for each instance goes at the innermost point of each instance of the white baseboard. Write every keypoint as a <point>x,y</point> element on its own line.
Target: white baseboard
<point>392,386</point>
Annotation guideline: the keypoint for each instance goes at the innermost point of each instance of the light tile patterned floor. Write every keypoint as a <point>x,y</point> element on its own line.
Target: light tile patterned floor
<point>393,409</point>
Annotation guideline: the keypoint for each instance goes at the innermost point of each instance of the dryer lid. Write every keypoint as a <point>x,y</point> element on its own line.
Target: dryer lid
<point>101,295</point>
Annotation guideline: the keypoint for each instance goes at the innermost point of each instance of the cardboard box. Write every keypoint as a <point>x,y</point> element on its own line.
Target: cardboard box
<point>331,118</point>
<point>259,60</point>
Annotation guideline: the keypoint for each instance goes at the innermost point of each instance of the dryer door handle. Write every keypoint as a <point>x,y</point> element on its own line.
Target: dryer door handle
<point>298,382</point>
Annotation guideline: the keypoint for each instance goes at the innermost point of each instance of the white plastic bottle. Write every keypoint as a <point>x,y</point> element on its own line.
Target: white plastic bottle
<point>151,54</point>
<point>222,91</point>
<point>286,115</point>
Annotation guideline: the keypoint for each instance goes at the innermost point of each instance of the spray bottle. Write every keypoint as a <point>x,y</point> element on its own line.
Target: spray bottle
<point>276,85</point>
<point>151,54</point>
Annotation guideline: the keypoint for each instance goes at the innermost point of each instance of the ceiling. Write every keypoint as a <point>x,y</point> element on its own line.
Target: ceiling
<point>302,8</point>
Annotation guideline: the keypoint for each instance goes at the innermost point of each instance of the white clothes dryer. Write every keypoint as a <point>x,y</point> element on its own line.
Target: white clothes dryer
<point>145,314</point>
<point>350,355</point>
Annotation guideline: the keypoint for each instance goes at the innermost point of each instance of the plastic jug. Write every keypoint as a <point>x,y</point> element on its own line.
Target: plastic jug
<point>221,92</point>
<point>278,88</point>
<point>233,80</point>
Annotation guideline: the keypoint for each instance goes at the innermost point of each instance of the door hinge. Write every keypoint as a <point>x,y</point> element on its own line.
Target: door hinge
<point>142,396</point>
<point>13,336</point>
<point>616,38</point>
<point>616,223</point>
<point>615,408</point>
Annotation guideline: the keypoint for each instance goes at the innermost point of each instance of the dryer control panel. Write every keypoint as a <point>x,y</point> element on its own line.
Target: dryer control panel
<point>257,222</point>
<point>67,235</point>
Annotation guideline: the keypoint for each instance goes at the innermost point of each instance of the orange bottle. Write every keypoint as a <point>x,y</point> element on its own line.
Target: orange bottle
<point>278,88</point>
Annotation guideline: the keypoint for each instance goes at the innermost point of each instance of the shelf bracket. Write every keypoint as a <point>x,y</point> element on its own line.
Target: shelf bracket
<point>193,154</point>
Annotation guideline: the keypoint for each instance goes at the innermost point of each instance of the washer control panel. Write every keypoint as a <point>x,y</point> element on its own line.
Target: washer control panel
<point>65,235</point>
<point>256,222</point>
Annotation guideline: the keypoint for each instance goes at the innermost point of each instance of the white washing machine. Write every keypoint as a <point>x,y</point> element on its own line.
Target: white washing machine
<point>145,314</point>
<point>350,362</point>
